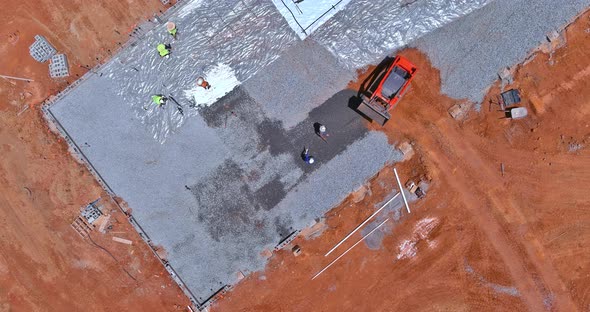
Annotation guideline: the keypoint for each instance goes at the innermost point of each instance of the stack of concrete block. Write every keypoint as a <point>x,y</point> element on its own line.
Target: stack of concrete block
<point>58,67</point>
<point>41,50</point>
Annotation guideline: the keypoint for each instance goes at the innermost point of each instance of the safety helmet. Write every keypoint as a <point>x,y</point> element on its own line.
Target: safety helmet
<point>200,81</point>
<point>311,160</point>
<point>170,26</point>
<point>322,128</point>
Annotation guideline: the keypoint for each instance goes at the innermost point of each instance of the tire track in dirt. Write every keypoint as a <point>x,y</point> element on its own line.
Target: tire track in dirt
<point>456,154</point>
<point>497,222</point>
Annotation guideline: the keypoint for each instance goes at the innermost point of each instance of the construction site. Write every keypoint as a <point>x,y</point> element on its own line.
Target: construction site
<point>295,155</point>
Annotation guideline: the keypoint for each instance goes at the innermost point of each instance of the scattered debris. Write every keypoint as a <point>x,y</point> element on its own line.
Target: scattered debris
<point>424,227</point>
<point>401,190</point>
<point>420,192</point>
<point>91,212</point>
<point>315,230</point>
<point>29,192</point>
<point>24,109</point>
<point>415,189</point>
<point>422,231</point>
<point>460,111</point>
<point>574,147</point>
<point>58,68</point>
<point>41,50</point>
<point>296,250</point>
<point>407,250</point>
<point>122,240</point>
<point>103,224</point>
<point>406,149</point>
<point>505,75</point>
<point>13,38</point>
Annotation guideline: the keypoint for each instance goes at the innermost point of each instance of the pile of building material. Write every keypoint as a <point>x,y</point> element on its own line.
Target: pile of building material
<point>42,51</point>
<point>58,68</point>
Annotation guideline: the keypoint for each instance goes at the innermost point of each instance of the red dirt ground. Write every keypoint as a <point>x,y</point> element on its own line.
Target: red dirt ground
<point>512,242</point>
<point>44,264</point>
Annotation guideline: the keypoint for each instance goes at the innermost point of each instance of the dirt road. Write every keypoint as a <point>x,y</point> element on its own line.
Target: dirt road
<point>511,241</point>
<point>44,264</point>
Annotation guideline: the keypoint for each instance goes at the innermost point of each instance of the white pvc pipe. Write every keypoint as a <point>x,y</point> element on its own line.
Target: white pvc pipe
<point>401,189</point>
<point>358,227</point>
<point>16,78</point>
<point>362,239</point>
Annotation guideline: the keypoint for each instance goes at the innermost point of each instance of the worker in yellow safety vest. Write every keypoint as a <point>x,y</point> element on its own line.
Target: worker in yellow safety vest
<point>171,27</point>
<point>159,99</point>
<point>164,49</point>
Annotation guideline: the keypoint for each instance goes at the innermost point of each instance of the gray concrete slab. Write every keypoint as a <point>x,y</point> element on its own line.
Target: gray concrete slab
<point>229,183</point>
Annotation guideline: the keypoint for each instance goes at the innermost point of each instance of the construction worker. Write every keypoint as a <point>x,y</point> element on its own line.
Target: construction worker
<point>159,99</point>
<point>164,49</point>
<point>171,27</point>
<point>306,157</point>
<point>201,82</point>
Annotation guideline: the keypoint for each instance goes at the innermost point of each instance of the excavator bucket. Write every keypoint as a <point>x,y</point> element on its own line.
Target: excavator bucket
<point>374,111</point>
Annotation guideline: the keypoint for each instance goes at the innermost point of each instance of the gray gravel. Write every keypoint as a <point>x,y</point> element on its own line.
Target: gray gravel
<point>472,50</point>
<point>303,78</point>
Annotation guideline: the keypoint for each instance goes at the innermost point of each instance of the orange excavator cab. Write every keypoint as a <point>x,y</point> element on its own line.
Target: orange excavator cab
<point>387,90</point>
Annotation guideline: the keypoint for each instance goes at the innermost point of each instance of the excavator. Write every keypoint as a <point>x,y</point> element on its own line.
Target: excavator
<point>386,90</point>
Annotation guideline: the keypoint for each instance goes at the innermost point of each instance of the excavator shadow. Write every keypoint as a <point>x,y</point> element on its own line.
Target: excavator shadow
<point>368,86</point>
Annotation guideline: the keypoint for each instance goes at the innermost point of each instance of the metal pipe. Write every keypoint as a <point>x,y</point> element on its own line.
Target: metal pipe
<point>401,189</point>
<point>362,239</point>
<point>358,227</point>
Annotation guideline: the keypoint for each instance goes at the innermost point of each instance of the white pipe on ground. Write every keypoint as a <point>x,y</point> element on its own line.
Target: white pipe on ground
<point>16,78</point>
<point>358,227</point>
<point>401,190</point>
<point>362,239</point>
